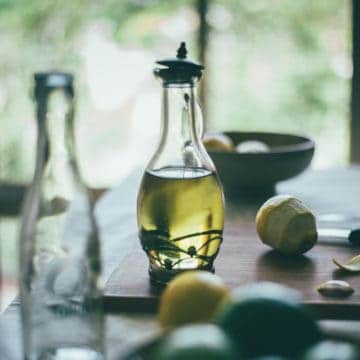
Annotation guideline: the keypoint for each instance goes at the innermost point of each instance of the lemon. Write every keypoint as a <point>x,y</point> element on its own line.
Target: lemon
<point>191,297</point>
<point>267,319</point>
<point>287,225</point>
<point>196,342</point>
<point>218,142</point>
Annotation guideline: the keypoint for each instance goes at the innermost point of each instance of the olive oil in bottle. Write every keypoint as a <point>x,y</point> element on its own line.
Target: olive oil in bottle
<point>180,209</point>
<point>181,217</point>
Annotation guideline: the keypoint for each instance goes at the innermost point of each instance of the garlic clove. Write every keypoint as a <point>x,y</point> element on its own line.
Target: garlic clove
<point>336,288</point>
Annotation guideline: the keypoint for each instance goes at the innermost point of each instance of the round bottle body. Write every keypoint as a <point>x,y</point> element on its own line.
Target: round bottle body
<point>181,220</point>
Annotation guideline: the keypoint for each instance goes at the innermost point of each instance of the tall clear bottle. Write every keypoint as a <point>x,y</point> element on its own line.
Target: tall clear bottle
<point>180,202</point>
<point>61,289</point>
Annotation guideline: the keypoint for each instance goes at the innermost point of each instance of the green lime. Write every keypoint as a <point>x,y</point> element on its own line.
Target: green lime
<point>332,350</point>
<point>268,319</point>
<point>196,342</point>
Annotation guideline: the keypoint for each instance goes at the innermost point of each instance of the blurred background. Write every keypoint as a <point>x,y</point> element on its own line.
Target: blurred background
<point>271,65</point>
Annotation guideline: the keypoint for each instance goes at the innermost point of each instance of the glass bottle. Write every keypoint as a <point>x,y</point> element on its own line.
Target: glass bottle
<point>180,209</point>
<point>60,286</point>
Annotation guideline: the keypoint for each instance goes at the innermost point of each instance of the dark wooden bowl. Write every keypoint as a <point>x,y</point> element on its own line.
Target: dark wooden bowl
<point>288,156</point>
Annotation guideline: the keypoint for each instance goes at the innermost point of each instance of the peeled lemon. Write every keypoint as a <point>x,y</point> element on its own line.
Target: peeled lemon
<point>287,225</point>
<point>191,297</point>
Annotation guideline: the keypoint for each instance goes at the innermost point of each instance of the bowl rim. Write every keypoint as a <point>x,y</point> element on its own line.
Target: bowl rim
<point>305,144</point>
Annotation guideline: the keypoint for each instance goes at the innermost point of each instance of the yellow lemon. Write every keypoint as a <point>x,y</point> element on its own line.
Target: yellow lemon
<point>287,225</point>
<point>218,142</point>
<point>191,297</point>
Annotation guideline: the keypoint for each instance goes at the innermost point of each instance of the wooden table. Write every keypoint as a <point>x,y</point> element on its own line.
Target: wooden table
<point>330,191</point>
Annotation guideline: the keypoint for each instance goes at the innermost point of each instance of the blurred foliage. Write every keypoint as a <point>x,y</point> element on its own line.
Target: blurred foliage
<point>41,34</point>
<point>272,62</point>
<point>291,69</point>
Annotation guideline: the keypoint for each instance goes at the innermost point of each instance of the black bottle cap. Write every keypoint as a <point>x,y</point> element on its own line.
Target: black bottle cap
<point>179,70</point>
<point>51,80</point>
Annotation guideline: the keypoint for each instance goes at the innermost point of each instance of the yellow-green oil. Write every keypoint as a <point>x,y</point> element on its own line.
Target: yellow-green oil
<point>180,219</point>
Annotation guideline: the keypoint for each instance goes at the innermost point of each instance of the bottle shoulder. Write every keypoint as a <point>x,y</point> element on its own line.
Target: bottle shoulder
<point>181,155</point>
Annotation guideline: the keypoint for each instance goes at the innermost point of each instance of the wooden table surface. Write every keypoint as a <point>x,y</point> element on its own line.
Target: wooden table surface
<point>244,259</point>
<point>334,191</point>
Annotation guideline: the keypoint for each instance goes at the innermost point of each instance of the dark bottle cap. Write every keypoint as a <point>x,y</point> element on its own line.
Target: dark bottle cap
<point>179,70</point>
<point>51,80</point>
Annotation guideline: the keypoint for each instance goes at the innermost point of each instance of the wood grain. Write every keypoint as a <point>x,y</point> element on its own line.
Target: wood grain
<point>244,259</point>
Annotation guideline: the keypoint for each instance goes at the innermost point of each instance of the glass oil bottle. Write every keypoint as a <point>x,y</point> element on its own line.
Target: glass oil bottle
<point>180,206</point>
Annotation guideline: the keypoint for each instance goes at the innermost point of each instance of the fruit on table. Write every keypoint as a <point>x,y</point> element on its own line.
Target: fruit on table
<point>336,288</point>
<point>191,297</point>
<point>353,265</point>
<point>196,342</point>
<point>267,319</point>
<point>287,225</point>
<point>218,142</point>
<point>252,146</point>
<point>332,350</point>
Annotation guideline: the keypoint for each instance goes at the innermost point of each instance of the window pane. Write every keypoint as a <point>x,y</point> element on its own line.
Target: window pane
<point>283,65</point>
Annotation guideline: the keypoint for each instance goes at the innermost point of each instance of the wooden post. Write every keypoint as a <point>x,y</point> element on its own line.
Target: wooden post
<point>202,42</point>
<point>355,85</point>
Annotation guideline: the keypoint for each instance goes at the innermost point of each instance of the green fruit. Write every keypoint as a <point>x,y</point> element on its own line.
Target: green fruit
<point>197,342</point>
<point>268,319</point>
<point>331,350</point>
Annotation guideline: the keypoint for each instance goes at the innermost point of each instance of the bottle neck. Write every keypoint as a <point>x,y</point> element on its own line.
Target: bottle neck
<point>55,126</point>
<point>56,164</point>
<point>180,123</point>
<point>180,144</point>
